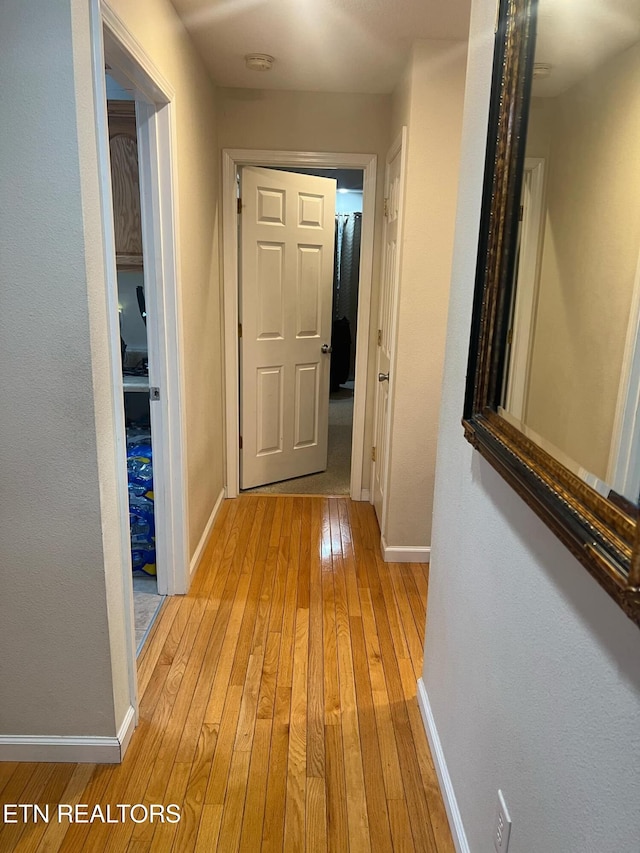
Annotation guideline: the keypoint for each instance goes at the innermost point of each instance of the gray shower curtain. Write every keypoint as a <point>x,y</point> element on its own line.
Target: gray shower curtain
<point>347,273</point>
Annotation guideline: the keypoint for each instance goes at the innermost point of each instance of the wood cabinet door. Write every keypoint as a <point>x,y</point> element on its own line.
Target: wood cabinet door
<point>125,183</point>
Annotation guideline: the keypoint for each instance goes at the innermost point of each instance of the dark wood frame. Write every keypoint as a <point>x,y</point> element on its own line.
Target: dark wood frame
<point>602,534</point>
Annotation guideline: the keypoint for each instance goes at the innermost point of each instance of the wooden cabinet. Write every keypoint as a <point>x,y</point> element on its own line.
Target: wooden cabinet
<point>125,184</point>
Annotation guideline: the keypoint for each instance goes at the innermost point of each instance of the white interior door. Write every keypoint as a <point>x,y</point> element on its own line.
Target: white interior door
<point>287,233</point>
<point>394,182</point>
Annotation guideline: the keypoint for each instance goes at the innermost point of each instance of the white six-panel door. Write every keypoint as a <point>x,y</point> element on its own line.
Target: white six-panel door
<point>287,232</point>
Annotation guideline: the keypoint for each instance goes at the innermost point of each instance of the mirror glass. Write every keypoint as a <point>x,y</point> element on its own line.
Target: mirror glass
<point>572,361</point>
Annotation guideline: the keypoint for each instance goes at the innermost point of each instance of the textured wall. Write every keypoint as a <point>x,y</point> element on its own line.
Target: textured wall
<point>532,671</point>
<point>58,667</point>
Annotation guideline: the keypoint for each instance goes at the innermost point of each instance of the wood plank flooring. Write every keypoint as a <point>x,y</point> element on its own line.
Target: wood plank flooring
<point>278,702</point>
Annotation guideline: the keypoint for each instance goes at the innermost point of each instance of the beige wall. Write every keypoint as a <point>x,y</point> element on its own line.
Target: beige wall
<point>540,128</point>
<point>157,28</point>
<point>589,261</point>
<point>315,121</point>
<point>429,101</point>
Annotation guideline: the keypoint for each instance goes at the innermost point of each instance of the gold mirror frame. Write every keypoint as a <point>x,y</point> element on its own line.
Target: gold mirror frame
<point>604,536</point>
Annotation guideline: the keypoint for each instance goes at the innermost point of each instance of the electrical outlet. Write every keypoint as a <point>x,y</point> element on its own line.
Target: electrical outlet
<point>502,828</point>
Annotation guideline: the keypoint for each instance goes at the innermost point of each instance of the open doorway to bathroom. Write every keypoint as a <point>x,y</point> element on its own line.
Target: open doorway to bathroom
<point>336,478</point>
<point>132,315</point>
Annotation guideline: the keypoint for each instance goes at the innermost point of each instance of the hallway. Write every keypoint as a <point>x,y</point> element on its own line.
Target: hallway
<point>277,701</point>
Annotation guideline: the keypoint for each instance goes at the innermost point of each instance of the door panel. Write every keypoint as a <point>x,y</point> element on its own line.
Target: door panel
<point>287,231</point>
<point>309,303</point>
<point>269,410</point>
<point>306,406</point>
<point>394,181</point>
<point>270,290</point>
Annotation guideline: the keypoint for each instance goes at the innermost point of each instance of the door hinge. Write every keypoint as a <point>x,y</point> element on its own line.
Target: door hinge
<point>239,205</point>
<point>240,442</point>
<point>521,212</point>
<point>239,330</point>
<point>386,207</point>
<point>379,337</point>
<point>373,454</point>
<point>154,393</point>
<point>510,337</point>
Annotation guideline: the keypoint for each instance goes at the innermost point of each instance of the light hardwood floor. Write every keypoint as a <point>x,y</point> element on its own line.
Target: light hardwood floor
<point>278,702</point>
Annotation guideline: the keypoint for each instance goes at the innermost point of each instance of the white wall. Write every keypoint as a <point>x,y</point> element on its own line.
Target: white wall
<point>532,671</point>
<point>349,202</point>
<point>429,102</point>
<point>115,92</point>
<point>63,665</point>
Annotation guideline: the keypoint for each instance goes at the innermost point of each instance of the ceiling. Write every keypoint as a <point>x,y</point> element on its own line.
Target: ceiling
<point>577,37</point>
<point>318,45</point>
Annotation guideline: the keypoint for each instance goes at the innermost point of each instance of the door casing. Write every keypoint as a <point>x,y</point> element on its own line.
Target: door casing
<point>397,149</point>
<point>232,159</point>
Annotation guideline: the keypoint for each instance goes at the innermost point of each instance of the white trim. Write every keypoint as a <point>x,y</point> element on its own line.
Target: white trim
<point>126,730</point>
<point>446,785</point>
<point>67,749</point>
<point>365,495</point>
<point>399,145</point>
<point>132,66</point>
<point>404,553</point>
<point>204,539</point>
<point>104,177</point>
<point>231,160</point>
<point>624,455</point>
<point>158,194</point>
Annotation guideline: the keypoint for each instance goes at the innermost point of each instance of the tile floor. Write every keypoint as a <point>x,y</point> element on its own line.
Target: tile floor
<point>146,606</point>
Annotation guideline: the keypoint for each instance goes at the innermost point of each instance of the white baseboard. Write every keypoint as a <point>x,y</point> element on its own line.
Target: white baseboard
<point>404,553</point>
<point>64,749</point>
<point>126,730</point>
<point>365,495</point>
<point>202,544</point>
<point>446,786</point>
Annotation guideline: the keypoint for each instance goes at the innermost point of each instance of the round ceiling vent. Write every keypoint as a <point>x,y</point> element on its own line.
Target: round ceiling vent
<point>259,61</point>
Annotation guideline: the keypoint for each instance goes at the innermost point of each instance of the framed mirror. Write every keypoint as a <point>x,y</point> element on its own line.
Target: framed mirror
<point>553,383</point>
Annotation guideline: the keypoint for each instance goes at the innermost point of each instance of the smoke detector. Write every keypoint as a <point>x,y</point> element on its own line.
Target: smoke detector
<point>541,70</point>
<point>258,61</point>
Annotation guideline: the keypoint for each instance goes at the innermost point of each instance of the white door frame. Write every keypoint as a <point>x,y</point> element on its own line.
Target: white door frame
<point>232,159</point>
<point>156,144</point>
<point>526,290</point>
<point>399,145</point>
<point>623,469</point>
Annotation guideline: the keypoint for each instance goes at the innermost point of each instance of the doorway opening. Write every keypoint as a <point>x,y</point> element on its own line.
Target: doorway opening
<point>335,479</point>
<point>347,403</point>
<point>125,194</point>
